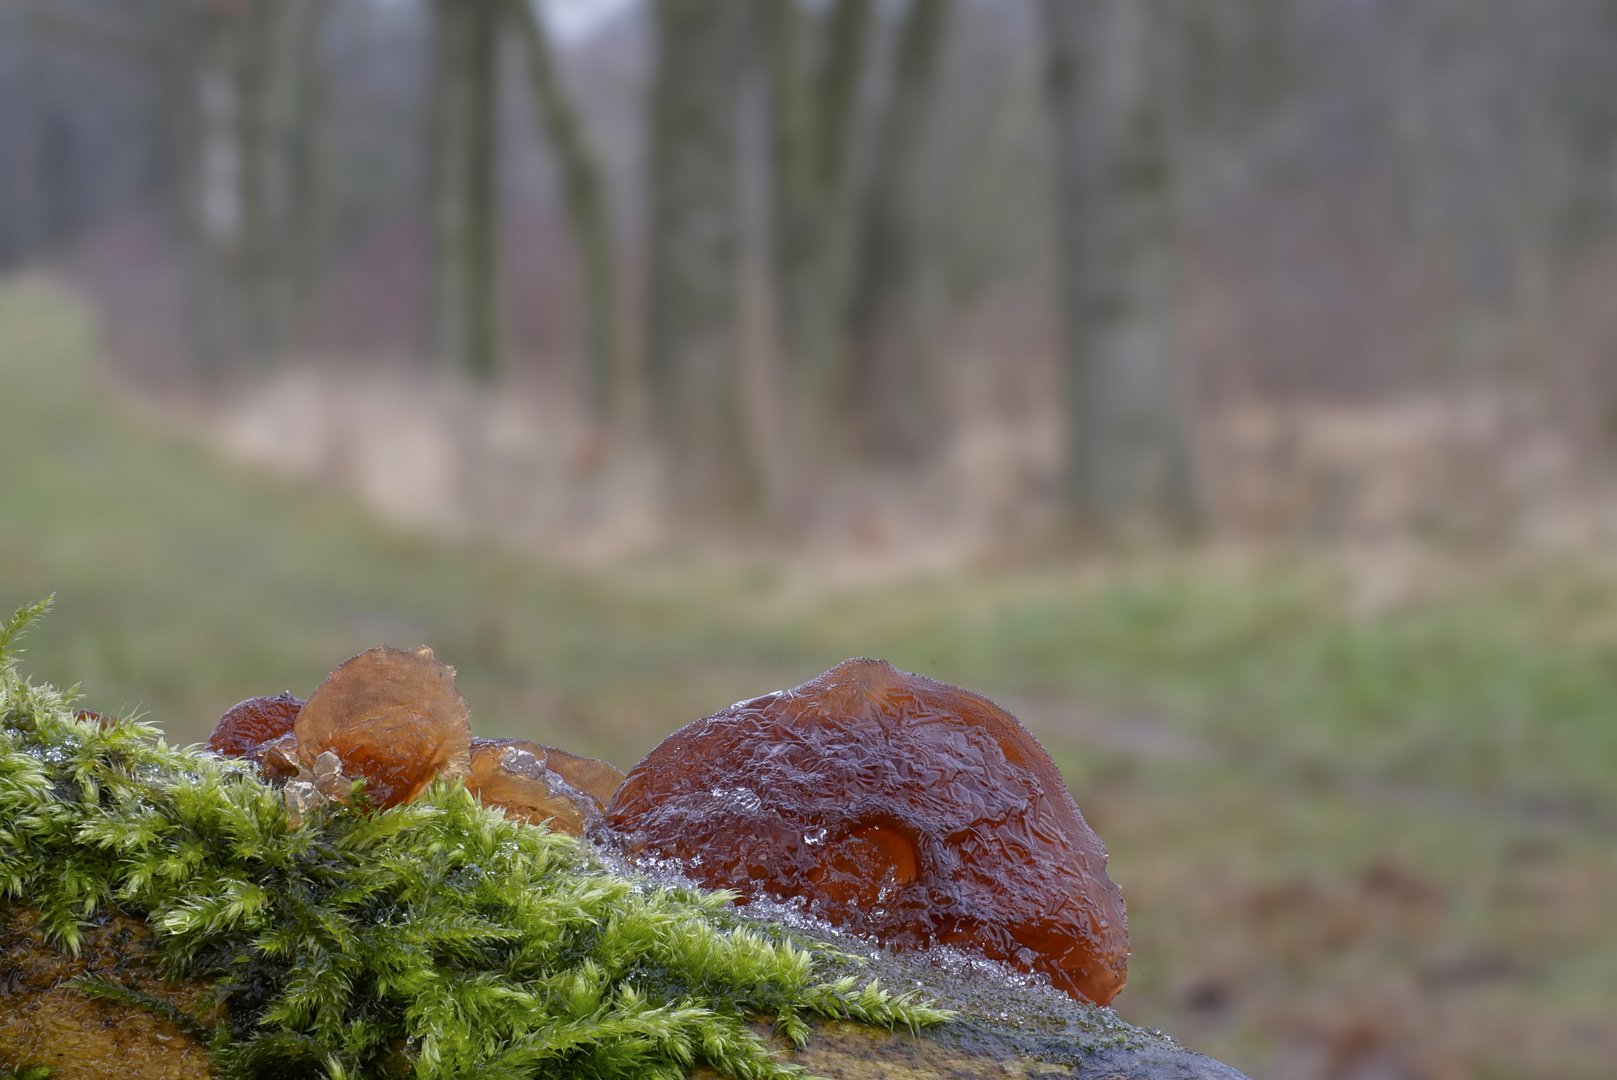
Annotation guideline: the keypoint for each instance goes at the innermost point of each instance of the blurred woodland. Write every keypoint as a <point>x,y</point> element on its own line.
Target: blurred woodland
<point>924,276</point>
<point>820,328</point>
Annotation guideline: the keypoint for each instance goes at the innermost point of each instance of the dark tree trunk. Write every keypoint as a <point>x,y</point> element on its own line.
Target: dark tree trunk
<point>884,377</point>
<point>1128,448</point>
<point>213,213</point>
<point>816,66</point>
<point>278,93</point>
<point>694,238</point>
<point>465,197</point>
<point>587,213</point>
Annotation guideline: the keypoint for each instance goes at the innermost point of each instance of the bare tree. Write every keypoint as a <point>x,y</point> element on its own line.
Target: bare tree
<point>587,212</point>
<point>280,142</point>
<point>694,238</point>
<point>1128,455</point>
<point>464,137</point>
<point>884,377</point>
<point>817,65</point>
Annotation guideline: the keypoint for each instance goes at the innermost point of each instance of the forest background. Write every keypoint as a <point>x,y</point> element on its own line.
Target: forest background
<point>1229,388</point>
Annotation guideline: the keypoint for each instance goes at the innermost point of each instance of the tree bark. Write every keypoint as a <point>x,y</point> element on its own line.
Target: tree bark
<point>694,239</point>
<point>884,378</point>
<point>587,213</point>
<point>1128,448</point>
<point>817,67</point>
<point>213,152</point>
<point>465,190</point>
<point>278,90</point>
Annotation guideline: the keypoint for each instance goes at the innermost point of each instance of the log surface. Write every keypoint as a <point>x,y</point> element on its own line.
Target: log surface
<point>1009,1028</point>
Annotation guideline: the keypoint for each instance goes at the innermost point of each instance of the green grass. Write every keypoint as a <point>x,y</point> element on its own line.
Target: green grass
<point>1467,735</point>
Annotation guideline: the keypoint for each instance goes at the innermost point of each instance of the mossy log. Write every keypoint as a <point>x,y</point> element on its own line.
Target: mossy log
<point>1004,1030</point>
<point>164,915</point>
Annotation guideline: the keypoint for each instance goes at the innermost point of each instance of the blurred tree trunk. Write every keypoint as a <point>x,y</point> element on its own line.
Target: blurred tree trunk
<point>1128,447</point>
<point>280,125</point>
<point>464,141</point>
<point>587,215</point>
<point>884,379</point>
<point>694,238</point>
<point>211,138</point>
<point>816,68</point>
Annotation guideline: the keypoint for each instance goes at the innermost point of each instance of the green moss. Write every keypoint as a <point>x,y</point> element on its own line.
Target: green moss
<point>437,937</point>
<point>32,1072</point>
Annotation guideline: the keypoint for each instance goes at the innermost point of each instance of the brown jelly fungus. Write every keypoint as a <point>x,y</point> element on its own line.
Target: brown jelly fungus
<point>252,722</point>
<point>392,717</point>
<point>594,777</point>
<point>894,806</point>
<point>540,783</point>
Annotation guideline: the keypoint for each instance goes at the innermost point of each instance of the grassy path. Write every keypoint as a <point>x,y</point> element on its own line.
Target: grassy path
<point>1348,841</point>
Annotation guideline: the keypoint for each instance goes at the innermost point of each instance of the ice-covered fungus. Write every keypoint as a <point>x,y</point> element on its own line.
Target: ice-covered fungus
<point>277,759</point>
<point>598,779</point>
<point>395,718</point>
<point>250,723</point>
<point>391,716</point>
<point>898,807</point>
<point>524,779</point>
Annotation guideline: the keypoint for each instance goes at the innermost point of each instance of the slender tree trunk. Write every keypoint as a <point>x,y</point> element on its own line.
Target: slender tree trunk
<point>277,82</point>
<point>465,196</point>
<point>587,213</point>
<point>311,169</point>
<point>694,236</point>
<point>884,380</point>
<point>213,196</point>
<point>817,66</point>
<point>793,172</point>
<point>1128,452</point>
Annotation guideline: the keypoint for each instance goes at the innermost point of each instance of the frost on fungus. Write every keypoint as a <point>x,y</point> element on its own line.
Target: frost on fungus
<point>895,806</point>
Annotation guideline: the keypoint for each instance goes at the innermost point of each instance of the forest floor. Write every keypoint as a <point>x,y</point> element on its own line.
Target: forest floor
<point>1356,840</point>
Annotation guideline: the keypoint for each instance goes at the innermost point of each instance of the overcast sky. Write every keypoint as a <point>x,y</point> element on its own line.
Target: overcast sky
<point>572,21</point>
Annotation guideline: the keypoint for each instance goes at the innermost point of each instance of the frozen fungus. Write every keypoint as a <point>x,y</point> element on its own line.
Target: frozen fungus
<point>540,783</point>
<point>253,722</point>
<point>395,719</point>
<point>894,806</point>
<point>392,717</point>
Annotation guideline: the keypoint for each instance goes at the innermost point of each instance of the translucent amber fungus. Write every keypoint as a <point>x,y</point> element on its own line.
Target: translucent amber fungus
<point>525,779</point>
<point>596,778</point>
<point>393,717</point>
<point>252,722</point>
<point>895,806</point>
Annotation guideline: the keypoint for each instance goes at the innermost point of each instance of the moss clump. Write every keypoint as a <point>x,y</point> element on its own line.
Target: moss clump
<point>33,1072</point>
<point>437,938</point>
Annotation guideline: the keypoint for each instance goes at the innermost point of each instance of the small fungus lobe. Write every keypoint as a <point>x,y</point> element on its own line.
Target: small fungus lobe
<point>391,716</point>
<point>396,719</point>
<point>898,807</point>
<point>527,781</point>
<point>598,779</point>
<point>254,721</point>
